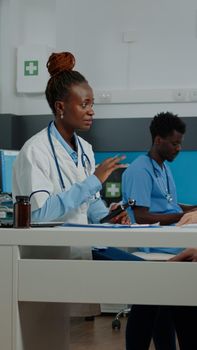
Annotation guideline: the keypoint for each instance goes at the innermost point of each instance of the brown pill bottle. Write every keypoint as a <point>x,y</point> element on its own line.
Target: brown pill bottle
<point>22,212</point>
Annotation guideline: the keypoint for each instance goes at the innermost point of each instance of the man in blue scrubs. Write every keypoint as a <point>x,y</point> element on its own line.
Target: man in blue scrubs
<point>149,181</point>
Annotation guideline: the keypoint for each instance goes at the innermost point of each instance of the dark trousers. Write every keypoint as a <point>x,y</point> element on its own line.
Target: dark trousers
<point>150,321</point>
<point>185,318</point>
<point>159,322</point>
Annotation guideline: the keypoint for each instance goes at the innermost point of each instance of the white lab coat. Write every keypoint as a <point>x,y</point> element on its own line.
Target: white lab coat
<point>34,170</point>
<point>36,166</point>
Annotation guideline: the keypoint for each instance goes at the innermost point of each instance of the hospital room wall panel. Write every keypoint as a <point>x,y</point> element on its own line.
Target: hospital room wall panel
<point>106,135</point>
<point>129,136</point>
<point>6,131</point>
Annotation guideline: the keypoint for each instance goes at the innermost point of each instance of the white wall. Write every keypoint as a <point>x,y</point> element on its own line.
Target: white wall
<point>156,72</point>
<point>23,22</point>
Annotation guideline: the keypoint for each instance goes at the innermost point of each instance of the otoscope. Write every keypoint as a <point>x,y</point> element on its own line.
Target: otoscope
<point>118,210</point>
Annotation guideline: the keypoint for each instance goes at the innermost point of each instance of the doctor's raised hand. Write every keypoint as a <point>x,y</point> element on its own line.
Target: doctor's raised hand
<point>107,167</point>
<point>102,172</point>
<point>56,166</point>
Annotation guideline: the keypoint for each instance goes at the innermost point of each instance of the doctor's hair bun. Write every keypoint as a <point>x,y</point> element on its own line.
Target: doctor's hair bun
<point>59,62</point>
<point>60,67</point>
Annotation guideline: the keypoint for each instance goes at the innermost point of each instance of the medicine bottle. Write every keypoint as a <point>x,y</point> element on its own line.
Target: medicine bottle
<point>22,212</point>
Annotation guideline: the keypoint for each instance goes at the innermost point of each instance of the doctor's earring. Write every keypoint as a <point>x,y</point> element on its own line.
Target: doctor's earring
<point>61,116</point>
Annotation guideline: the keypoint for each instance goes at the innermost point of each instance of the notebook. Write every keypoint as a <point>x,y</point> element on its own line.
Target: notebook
<point>154,256</point>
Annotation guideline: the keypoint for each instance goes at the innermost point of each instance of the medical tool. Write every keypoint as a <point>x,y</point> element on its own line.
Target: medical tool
<point>84,158</point>
<point>118,210</point>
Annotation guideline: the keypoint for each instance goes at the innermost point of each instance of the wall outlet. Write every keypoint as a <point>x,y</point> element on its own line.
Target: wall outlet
<point>104,97</point>
<point>130,36</point>
<point>193,95</point>
<point>180,95</point>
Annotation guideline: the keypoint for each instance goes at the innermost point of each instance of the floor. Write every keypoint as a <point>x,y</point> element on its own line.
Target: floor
<point>98,334</point>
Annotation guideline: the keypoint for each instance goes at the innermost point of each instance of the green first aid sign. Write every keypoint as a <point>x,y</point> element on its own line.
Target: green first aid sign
<point>113,189</point>
<point>30,68</point>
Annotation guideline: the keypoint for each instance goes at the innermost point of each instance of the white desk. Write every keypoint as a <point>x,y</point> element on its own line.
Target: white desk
<point>90,281</point>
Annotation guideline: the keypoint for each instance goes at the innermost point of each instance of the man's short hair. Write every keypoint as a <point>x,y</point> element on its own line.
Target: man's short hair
<point>163,124</point>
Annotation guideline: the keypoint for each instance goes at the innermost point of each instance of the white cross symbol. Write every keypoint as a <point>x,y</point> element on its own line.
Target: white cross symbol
<point>31,68</point>
<point>113,189</point>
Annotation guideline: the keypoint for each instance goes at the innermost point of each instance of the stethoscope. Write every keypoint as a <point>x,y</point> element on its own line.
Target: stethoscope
<point>166,190</point>
<point>85,161</point>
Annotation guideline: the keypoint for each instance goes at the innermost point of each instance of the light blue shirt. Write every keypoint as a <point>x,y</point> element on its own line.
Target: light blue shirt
<point>147,183</point>
<point>59,204</point>
<point>61,140</point>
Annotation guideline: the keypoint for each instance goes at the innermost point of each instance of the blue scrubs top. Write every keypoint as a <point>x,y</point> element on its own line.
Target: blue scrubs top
<point>146,182</point>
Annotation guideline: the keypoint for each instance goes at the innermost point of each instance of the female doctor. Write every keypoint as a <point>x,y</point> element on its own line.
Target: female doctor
<point>57,169</point>
<point>56,166</point>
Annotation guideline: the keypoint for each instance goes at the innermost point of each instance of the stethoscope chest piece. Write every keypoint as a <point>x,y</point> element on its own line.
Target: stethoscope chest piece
<point>169,197</point>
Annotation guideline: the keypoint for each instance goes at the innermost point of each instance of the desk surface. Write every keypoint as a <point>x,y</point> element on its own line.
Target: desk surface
<point>70,281</point>
<point>165,236</point>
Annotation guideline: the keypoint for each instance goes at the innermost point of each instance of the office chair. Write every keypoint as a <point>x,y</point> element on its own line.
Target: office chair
<point>116,323</point>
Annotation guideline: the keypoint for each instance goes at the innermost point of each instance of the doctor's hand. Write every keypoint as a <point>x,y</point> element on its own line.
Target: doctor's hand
<point>188,218</point>
<point>107,167</point>
<point>121,218</point>
<point>189,254</point>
